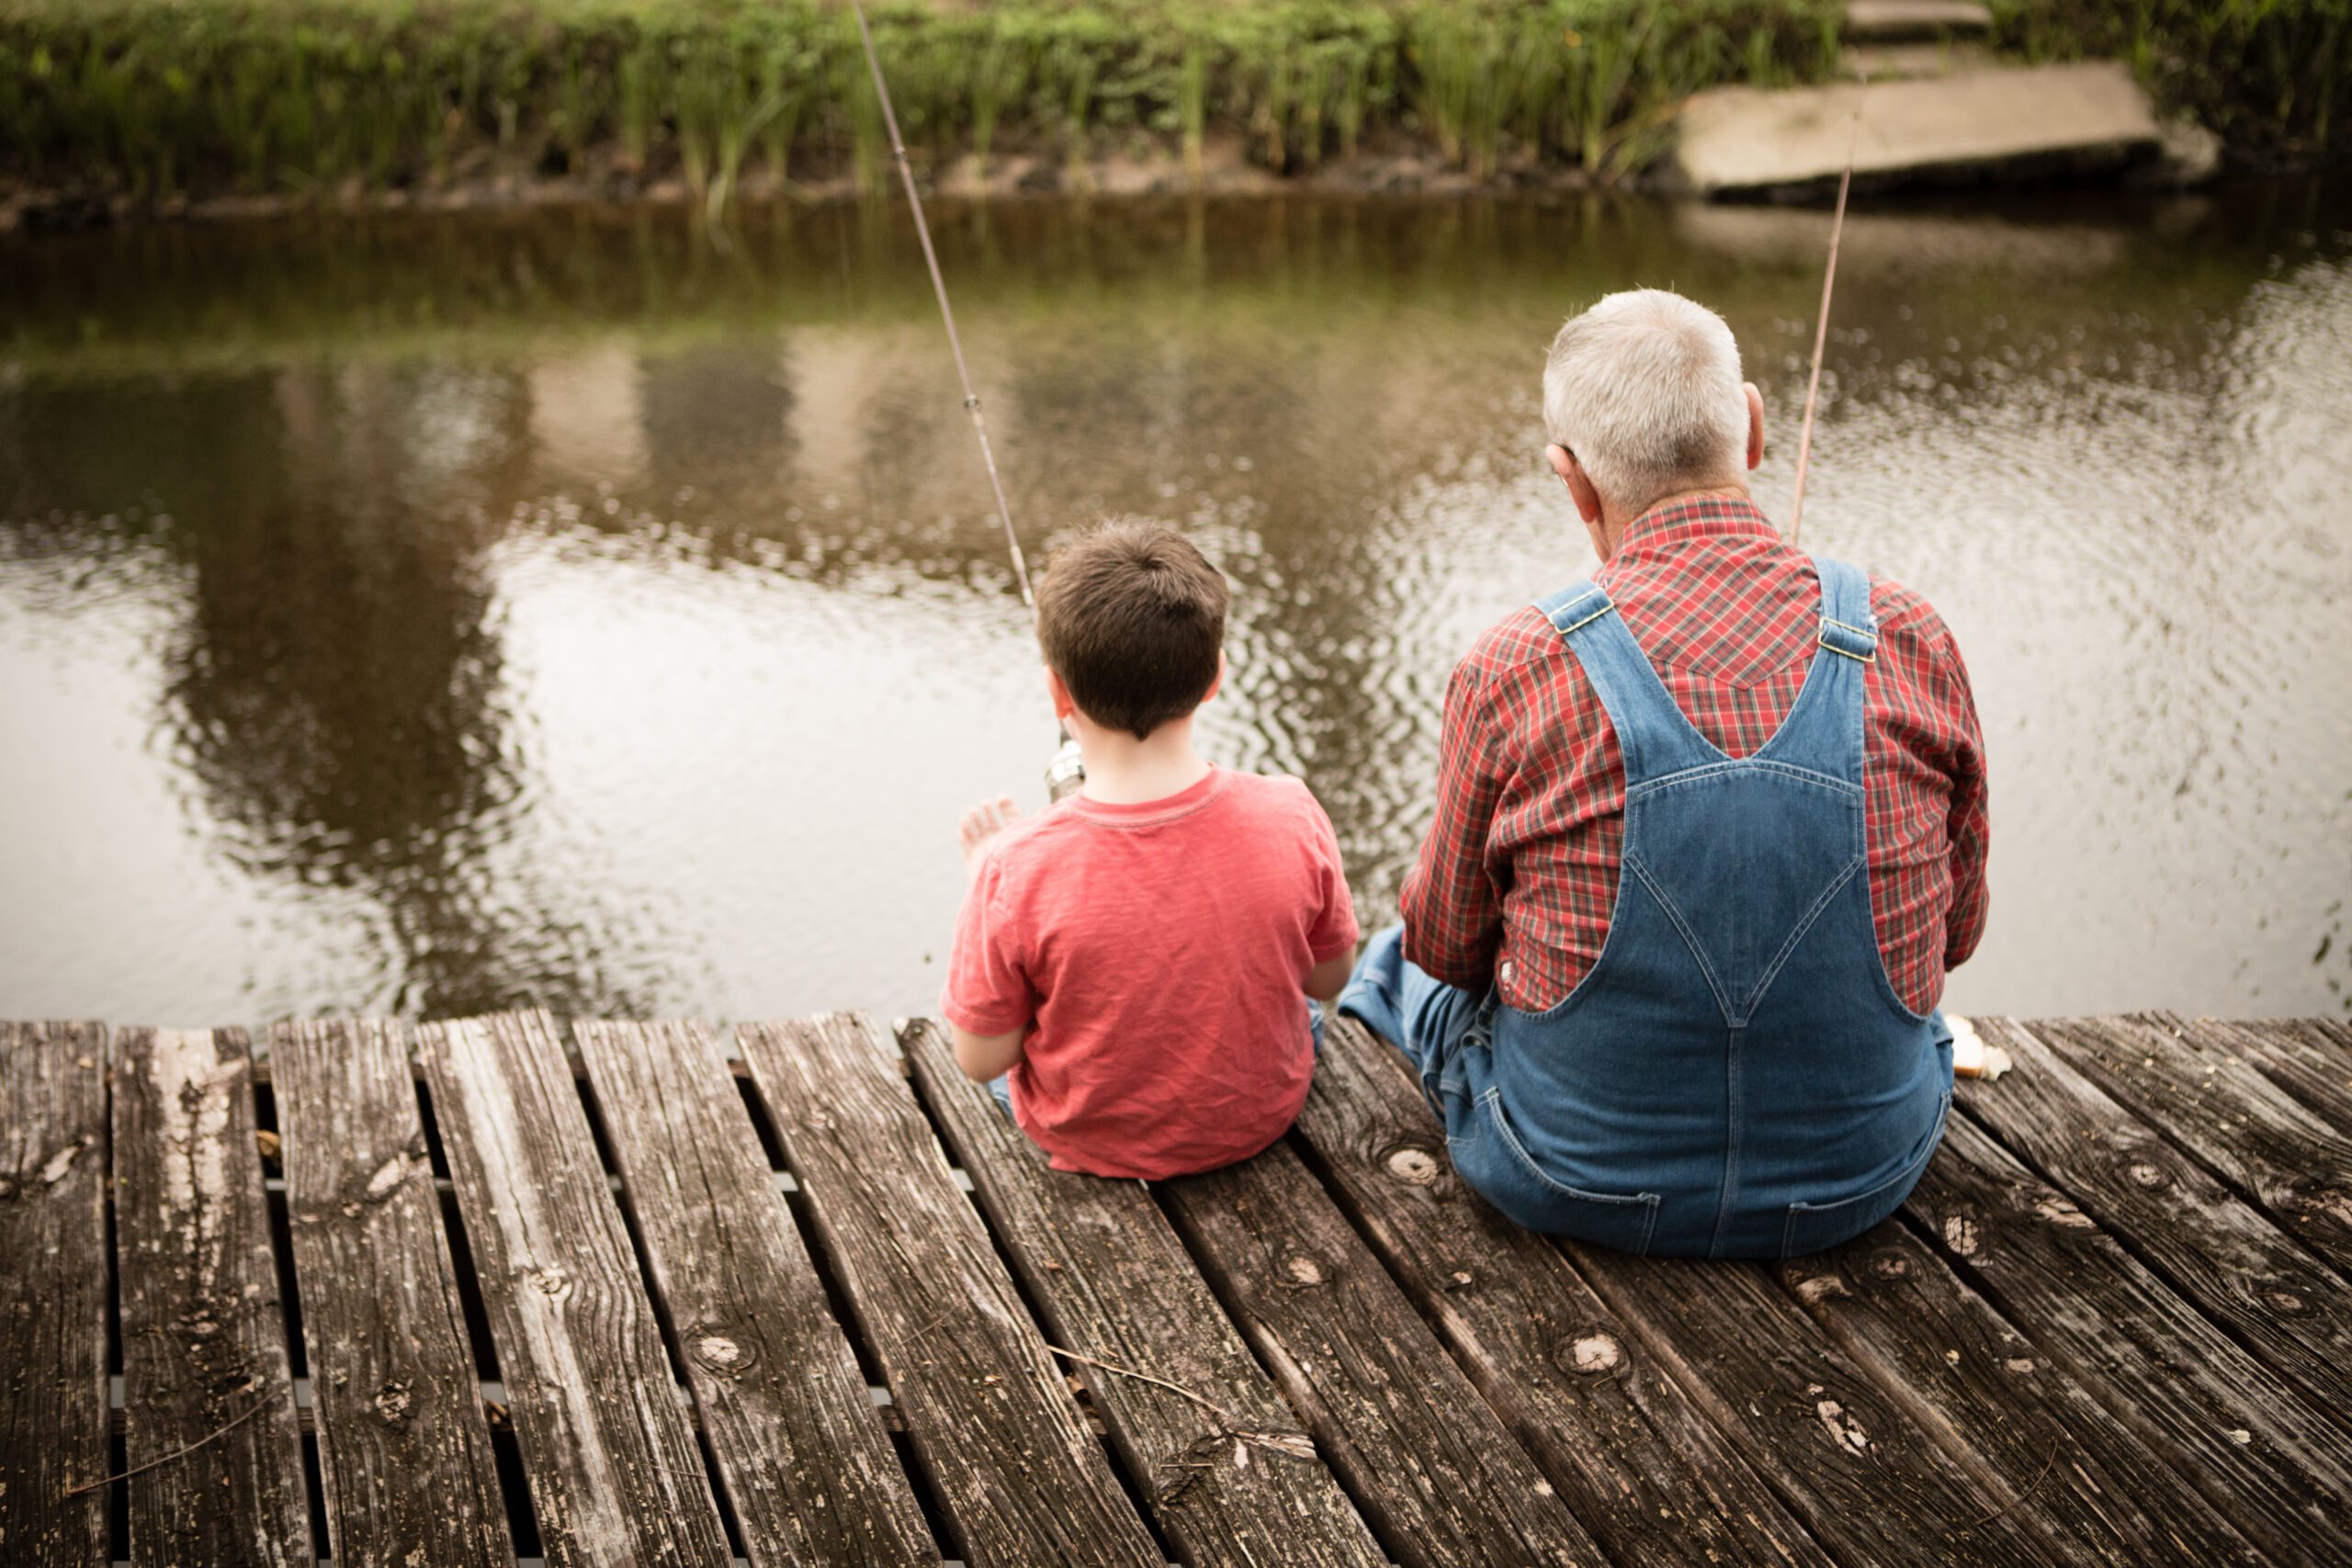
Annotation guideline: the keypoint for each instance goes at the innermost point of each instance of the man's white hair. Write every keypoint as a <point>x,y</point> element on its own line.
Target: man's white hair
<point>1644,389</point>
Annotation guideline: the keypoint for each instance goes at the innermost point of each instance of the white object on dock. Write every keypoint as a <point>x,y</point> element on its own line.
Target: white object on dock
<point>1971,1057</point>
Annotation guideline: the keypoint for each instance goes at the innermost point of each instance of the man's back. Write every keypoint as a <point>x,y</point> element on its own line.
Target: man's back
<point>1517,881</point>
<point>1159,951</point>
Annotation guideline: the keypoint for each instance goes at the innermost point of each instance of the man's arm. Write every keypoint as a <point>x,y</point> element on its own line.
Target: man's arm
<point>1968,823</point>
<point>1454,912</point>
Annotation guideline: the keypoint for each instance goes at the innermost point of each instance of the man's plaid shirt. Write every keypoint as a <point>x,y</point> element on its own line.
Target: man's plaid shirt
<point>1518,876</point>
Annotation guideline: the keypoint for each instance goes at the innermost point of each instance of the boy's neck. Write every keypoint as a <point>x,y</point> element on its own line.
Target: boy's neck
<point>1124,770</point>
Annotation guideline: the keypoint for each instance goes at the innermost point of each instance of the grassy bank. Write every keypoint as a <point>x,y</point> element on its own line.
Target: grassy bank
<point>274,95</point>
<point>153,100</point>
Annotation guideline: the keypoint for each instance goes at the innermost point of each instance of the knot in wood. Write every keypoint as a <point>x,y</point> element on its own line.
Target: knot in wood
<point>1844,1431</point>
<point>1820,1287</point>
<point>387,1179</point>
<point>2147,1175</point>
<point>1593,1352</point>
<point>2287,1302</point>
<point>1300,1272</point>
<point>393,1402</point>
<point>1890,1265</point>
<point>2331,1200</point>
<point>550,1281</point>
<point>2021,1365</point>
<point>1960,1234</point>
<point>722,1354</point>
<point>2060,1211</point>
<point>1412,1164</point>
<point>53,1169</point>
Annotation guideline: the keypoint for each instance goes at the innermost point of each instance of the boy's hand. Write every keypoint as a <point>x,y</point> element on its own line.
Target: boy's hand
<point>980,828</point>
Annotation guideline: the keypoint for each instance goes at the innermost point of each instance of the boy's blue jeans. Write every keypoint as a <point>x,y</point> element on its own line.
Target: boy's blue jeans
<point>1001,1084</point>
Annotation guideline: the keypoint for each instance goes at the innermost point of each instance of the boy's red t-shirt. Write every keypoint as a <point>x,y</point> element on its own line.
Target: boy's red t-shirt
<point>1160,953</point>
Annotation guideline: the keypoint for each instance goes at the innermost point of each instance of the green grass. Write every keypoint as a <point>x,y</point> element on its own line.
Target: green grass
<point>158,97</point>
<point>155,98</point>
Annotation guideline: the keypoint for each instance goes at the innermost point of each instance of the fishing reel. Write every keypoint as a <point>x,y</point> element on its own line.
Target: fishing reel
<point>1065,772</point>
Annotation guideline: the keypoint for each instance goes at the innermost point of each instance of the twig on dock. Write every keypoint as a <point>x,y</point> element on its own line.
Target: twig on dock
<point>2050,1465</point>
<point>175,1454</point>
<point>1218,1411</point>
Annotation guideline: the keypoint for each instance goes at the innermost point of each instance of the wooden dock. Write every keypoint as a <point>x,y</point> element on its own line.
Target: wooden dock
<point>634,1293</point>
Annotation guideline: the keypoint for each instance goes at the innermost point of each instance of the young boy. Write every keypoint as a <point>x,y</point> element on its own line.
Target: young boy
<point>1138,956</point>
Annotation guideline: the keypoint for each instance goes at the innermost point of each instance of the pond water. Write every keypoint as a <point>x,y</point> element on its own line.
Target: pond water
<point>430,614</point>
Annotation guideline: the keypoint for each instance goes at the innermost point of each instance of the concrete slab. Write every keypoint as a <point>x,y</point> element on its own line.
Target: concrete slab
<point>1884,21</point>
<point>1902,62</point>
<point>1741,139</point>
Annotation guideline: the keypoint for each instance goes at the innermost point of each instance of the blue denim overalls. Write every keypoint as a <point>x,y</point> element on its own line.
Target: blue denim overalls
<point>1736,1077</point>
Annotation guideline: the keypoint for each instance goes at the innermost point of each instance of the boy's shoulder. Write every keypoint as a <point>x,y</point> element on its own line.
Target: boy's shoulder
<point>1269,801</point>
<point>1274,801</point>
<point>1027,841</point>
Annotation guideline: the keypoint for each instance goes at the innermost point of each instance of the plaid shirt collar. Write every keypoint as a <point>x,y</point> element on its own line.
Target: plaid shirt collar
<point>1691,519</point>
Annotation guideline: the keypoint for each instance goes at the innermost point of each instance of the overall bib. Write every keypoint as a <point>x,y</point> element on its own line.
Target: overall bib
<point>1736,1077</point>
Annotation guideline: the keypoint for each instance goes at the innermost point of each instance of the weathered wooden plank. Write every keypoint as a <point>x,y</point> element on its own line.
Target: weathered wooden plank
<point>803,1457</point>
<point>1237,1485</point>
<point>2291,1310</point>
<point>52,1293</point>
<point>404,1453</point>
<point>615,1474</point>
<point>1868,1480</point>
<point>2234,1428</point>
<point>2311,1058</point>
<point>1018,1477</point>
<point>2093,1490</point>
<point>1649,1474</point>
<point>205,1372</point>
<point>1435,1472</point>
<point>2214,1103</point>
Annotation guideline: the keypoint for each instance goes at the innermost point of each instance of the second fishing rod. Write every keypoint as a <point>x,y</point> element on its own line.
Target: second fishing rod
<point>1066,772</point>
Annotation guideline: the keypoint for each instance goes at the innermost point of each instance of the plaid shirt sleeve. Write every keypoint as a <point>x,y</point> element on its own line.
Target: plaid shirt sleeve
<point>1451,904</point>
<point>1969,823</point>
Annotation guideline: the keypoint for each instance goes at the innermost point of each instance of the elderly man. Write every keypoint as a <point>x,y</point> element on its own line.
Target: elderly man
<point>1711,829</point>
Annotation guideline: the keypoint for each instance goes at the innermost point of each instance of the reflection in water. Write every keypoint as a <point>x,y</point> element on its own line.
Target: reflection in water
<point>438,614</point>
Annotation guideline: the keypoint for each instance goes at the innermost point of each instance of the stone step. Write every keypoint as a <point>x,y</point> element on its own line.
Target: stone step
<point>1892,21</point>
<point>2024,118</point>
<point>1906,62</point>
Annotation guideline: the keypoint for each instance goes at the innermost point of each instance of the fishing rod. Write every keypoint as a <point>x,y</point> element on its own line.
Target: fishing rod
<point>1821,331</point>
<point>1065,772</point>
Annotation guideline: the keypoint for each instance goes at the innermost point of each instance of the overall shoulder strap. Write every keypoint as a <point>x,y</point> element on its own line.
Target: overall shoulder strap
<point>1651,730</point>
<point>1823,732</point>
<point>1846,624</point>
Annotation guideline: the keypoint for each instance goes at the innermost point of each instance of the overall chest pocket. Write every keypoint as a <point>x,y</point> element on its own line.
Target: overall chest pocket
<point>1816,1227</point>
<point>1508,1177</point>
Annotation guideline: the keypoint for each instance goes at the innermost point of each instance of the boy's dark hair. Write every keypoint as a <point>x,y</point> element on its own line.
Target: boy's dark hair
<point>1132,618</point>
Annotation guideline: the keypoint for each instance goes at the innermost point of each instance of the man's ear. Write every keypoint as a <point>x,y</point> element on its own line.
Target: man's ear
<point>1755,425</point>
<point>1563,463</point>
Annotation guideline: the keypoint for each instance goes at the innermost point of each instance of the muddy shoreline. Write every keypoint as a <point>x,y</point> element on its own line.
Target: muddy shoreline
<point>1224,171</point>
